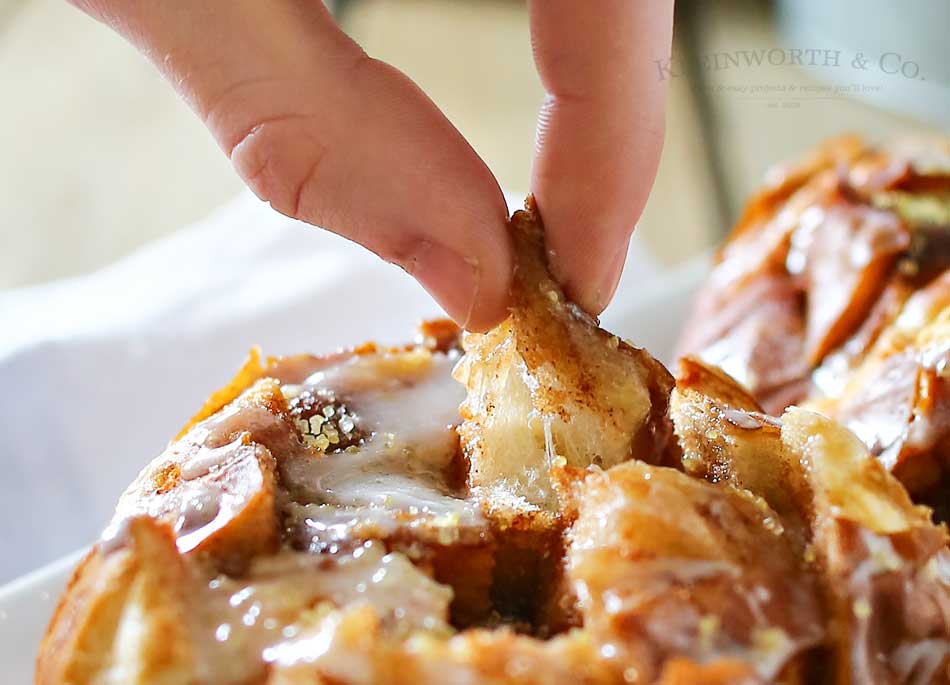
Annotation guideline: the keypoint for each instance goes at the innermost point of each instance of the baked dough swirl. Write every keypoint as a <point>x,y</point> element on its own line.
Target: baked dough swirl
<point>539,504</point>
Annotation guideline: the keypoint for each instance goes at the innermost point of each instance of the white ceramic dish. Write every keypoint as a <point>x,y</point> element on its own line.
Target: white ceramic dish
<point>651,318</point>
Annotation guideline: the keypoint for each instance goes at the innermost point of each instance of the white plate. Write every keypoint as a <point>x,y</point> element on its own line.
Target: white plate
<point>26,605</point>
<point>651,318</point>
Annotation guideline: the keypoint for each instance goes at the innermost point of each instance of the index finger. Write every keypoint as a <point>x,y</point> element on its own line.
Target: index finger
<point>600,132</point>
<point>330,136</point>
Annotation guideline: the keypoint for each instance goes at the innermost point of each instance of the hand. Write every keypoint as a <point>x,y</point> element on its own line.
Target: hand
<point>330,136</point>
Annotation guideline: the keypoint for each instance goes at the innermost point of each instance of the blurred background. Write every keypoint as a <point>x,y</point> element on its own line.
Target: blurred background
<point>99,156</point>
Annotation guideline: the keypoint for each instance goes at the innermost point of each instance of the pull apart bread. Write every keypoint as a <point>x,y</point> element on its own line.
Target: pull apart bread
<point>539,504</point>
<point>833,291</point>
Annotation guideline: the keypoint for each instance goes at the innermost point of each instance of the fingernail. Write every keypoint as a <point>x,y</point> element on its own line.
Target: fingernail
<point>451,279</point>
<point>592,294</point>
<point>612,277</point>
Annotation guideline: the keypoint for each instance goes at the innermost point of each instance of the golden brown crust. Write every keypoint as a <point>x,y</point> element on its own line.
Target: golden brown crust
<point>882,559</point>
<point>362,655</point>
<point>122,617</point>
<point>225,509</point>
<point>680,573</point>
<point>249,372</point>
<point>319,524</point>
<point>806,301</point>
<point>726,439</point>
<point>549,388</point>
<point>896,394</point>
<point>876,558</point>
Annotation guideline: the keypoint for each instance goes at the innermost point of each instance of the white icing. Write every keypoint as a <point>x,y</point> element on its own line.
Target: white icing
<point>242,620</point>
<point>916,663</point>
<point>408,416</point>
<point>749,420</point>
<point>206,459</point>
<point>200,508</point>
<point>204,513</point>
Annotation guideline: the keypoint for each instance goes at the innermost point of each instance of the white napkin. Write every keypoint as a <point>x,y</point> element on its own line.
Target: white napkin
<point>98,372</point>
